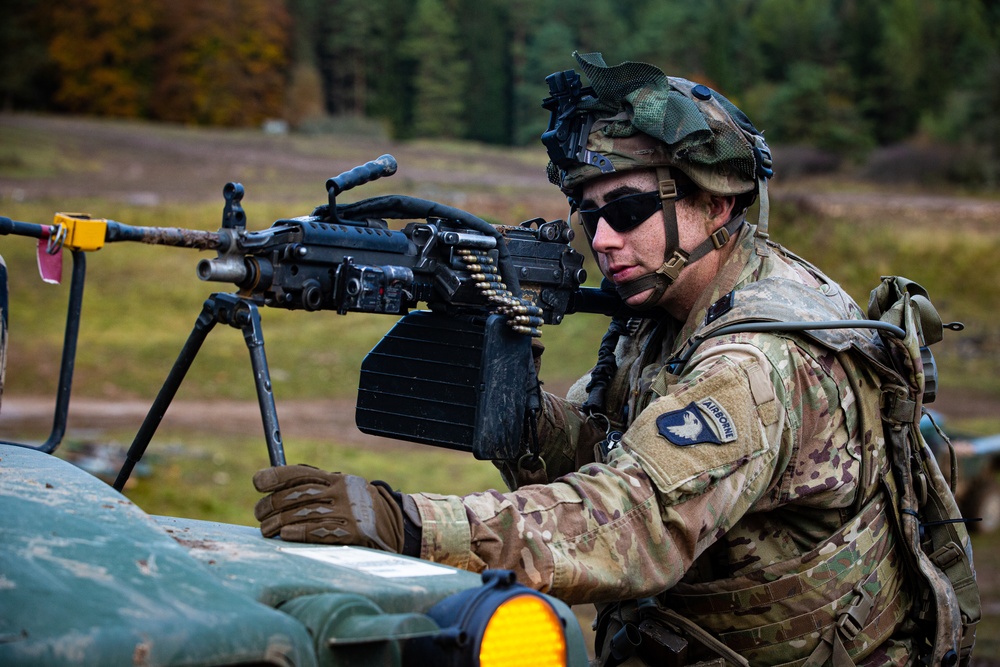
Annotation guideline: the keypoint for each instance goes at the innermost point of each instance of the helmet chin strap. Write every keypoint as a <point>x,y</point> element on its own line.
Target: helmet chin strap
<point>674,258</point>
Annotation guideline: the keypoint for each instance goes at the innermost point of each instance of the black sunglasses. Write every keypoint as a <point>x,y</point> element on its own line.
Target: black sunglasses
<point>624,213</point>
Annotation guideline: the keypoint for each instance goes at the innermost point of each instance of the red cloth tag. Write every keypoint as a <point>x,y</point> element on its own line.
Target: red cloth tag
<point>49,265</point>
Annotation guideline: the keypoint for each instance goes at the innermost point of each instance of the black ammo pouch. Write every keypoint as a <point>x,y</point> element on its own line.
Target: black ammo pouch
<point>641,632</point>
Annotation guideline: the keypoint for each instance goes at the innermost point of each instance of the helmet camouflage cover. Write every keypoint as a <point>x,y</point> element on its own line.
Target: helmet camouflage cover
<point>693,129</point>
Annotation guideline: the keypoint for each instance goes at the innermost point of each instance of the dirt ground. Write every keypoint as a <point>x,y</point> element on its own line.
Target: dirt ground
<point>304,419</point>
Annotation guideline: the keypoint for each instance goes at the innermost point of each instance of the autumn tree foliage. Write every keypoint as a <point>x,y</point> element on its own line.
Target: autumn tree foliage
<point>221,63</point>
<point>103,51</point>
<point>217,63</point>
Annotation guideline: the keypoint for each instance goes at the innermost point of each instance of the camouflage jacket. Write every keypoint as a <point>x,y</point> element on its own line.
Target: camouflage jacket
<point>749,458</point>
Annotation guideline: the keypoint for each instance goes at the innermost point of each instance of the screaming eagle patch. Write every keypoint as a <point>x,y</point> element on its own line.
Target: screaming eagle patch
<point>703,421</point>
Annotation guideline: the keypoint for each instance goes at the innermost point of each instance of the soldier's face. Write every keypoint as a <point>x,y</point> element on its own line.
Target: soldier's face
<point>626,255</point>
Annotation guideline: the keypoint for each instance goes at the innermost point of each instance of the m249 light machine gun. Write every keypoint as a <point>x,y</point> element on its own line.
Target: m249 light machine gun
<point>458,374</point>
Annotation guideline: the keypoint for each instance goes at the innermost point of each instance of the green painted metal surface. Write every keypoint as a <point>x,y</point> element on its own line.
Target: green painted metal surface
<point>272,571</point>
<point>88,578</point>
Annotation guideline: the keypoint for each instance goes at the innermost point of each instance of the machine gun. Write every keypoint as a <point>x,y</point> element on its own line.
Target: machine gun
<point>458,374</point>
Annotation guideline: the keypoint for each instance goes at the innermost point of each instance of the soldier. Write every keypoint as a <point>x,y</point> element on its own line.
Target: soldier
<point>728,482</point>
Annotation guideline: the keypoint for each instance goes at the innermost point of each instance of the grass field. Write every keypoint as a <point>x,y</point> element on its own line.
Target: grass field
<point>141,301</point>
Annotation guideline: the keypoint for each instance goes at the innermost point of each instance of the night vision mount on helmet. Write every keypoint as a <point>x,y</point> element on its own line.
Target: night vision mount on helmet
<point>634,116</point>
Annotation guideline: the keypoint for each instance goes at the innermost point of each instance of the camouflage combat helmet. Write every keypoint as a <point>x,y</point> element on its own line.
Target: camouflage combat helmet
<point>636,117</point>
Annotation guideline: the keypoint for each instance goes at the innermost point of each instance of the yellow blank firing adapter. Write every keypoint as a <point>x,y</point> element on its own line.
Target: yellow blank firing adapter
<point>81,231</point>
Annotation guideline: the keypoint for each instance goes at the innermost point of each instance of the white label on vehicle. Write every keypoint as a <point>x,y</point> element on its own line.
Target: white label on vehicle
<point>370,562</point>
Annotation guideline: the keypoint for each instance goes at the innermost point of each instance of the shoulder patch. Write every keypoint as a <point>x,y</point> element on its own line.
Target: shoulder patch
<point>700,422</point>
<point>682,467</point>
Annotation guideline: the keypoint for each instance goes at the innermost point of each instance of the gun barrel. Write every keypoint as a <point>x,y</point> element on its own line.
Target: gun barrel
<point>8,226</point>
<point>173,236</point>
<point>117,231</point>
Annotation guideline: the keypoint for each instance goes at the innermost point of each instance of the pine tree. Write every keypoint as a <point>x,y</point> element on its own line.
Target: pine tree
<point>25,80</point>
<point>441,72</point>
<point>485,33</point>
<point>343,45</point>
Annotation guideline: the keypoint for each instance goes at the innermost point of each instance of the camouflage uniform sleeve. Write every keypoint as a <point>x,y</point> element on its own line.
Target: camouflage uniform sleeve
<point>633,526</point>
<point>573,538</point>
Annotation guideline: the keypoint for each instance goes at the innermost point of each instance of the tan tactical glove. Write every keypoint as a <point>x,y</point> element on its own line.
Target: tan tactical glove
<point>305,504</point>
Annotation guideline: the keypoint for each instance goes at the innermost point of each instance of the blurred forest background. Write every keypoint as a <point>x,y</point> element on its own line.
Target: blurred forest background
<point>845,78</point>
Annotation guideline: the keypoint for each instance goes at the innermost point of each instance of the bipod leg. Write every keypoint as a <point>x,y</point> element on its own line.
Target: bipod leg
<point>247,318</point>
<point>205,323</point>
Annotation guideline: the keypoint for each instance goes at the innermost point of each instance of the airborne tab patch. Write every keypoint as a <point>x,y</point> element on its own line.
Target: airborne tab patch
<point>704,421</point>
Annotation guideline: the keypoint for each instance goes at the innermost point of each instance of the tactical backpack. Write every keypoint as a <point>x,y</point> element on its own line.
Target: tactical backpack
<point>937,542</point>
<point>908,505</point>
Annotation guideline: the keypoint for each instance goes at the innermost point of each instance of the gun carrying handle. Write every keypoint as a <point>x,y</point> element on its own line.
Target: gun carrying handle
<point>384,165</point>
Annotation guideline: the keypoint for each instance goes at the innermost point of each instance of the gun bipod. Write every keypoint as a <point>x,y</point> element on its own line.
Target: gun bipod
<point>240,314</point>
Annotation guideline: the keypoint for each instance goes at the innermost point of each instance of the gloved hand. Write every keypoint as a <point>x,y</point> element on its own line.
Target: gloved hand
<point>305,504</point>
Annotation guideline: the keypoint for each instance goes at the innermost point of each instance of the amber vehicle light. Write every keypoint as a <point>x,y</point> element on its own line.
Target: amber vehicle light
<point>524,630</point>
<point>499,624</point>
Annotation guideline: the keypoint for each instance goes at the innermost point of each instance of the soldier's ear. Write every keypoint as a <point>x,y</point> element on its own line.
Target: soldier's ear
<point>721,208</point>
